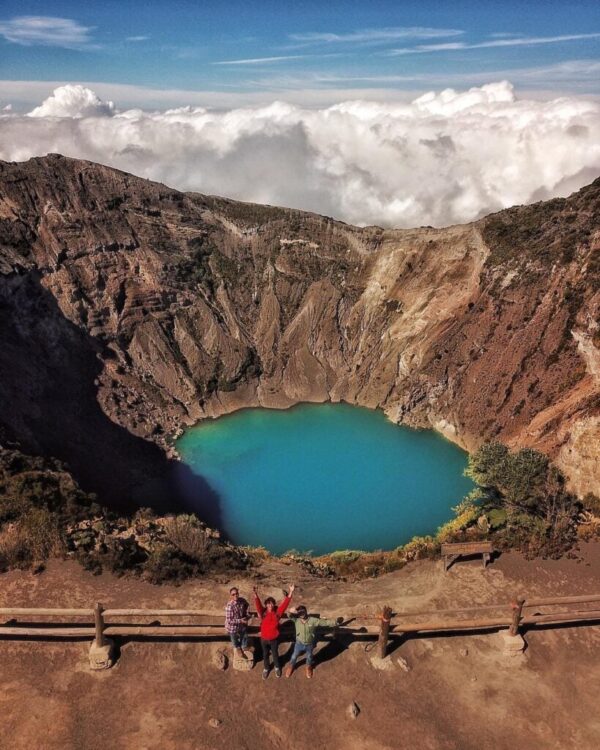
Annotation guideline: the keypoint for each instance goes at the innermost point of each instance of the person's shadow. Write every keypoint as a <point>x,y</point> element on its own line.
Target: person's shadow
<point>335,645</point>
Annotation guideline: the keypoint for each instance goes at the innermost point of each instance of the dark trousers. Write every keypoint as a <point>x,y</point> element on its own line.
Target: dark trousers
<point>270,646</point>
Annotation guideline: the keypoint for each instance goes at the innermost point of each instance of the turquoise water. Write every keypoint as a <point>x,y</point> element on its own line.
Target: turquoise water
<point>321,477</point>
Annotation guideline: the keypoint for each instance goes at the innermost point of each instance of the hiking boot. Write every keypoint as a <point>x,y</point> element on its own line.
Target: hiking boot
<point>278,672</point>
<point>265,674</point>
<point>309,671</point>
<point>288,671</point>
<point>240,653</point>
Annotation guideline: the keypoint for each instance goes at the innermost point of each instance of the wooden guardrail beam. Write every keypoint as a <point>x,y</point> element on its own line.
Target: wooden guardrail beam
<point>555,618</point>
<point>164,613</point>
<point>452,611</point>
<point>200,631</point>
<point>100,622</point>
<point>55,632</point>
<point>45,612</point>
<point>582,599</point>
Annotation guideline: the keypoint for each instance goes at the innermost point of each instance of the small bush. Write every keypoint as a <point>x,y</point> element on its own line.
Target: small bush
<point>453,529</point>
<point>421,547</point>
<point>14,550</point>
<point>591,502</point>
<point>393,563</point>
<point>114,203</point>
<point>187,534</point>
<point>343,557</point>
<point>12,507</point>
<point>122,555</point>
<point>33,538</point>
<point>257,554</point>
<point>144,515</point>
<point>164,565</point>
<point>497,518</point>
<point>42,531</point>
<point>89,562</point>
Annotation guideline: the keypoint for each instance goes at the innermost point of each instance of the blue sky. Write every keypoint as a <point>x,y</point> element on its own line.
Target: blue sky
<point>273,49</point>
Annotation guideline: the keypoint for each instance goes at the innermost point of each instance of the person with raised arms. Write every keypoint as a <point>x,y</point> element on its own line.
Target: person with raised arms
<point>270,614</point>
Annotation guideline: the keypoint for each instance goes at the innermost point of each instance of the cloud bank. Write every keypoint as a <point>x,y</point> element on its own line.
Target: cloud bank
<point>446,157</point>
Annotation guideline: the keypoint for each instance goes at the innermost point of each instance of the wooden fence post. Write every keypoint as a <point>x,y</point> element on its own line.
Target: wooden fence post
<point>517,608</point>
<point>386,616</point>
<point>99,624</point>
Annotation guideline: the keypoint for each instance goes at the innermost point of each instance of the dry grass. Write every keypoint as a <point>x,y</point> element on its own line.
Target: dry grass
<point>186,534</point>
<point>33,538</point>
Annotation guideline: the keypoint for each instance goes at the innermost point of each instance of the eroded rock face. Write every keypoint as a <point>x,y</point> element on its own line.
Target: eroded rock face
<point>129,310</point>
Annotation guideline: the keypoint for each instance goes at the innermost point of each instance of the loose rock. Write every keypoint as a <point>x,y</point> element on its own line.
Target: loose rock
<point>384,664</point>
<point>353,710</point>
<point>403,664</point>
<point>220,660</point>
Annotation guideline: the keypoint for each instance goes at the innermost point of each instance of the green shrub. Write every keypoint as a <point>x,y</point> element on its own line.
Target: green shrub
<point>165,565</point>
<point>525,493</point>
<point>342,557</point>
<point>89,561</point>
<point>393,563</point>
<point>420,547</point>
<point>122,555</point>
<point>453,528</point>
<point>497,518</point>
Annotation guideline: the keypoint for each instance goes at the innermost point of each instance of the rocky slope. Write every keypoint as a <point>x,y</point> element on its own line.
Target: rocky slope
<point>129,310</point>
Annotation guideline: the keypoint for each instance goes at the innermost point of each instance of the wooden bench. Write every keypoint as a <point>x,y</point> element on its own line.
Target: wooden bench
<point>452,551</point>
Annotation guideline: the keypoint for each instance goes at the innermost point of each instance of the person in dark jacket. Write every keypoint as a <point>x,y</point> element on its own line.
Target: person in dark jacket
<point>270,614</point>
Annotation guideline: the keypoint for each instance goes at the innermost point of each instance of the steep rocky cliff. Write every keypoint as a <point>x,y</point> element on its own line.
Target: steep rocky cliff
<point>129,310</point>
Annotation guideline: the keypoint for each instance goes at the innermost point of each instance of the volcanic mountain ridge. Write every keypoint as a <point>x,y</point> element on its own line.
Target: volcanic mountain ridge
<point>129,310</point>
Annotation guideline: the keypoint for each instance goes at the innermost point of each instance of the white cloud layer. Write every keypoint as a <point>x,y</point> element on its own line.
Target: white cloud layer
<point>45,30</point>
<point>444,158</point>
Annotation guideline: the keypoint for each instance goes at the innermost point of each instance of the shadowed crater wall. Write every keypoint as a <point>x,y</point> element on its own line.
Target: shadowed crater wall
<point>48,401</point>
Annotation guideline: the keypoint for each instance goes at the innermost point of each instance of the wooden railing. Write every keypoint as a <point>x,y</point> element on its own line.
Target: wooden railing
<point>100,623</point>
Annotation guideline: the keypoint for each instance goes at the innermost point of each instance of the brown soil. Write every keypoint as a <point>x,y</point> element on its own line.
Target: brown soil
<point>163,694</point>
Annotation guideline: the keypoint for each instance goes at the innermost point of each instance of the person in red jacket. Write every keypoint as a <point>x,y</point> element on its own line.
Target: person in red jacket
<point>270,614</point>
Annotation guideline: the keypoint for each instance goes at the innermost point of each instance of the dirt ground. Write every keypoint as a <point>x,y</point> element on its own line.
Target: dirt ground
<point>450,692</point>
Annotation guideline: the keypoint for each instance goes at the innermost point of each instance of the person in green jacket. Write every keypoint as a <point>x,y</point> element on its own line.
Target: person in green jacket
<point>306,631</point>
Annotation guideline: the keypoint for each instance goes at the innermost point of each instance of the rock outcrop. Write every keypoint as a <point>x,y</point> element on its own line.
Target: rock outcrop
<point>129,310</point>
